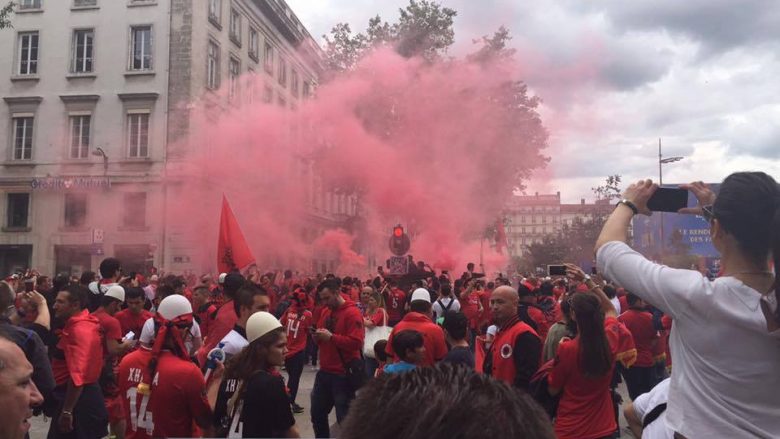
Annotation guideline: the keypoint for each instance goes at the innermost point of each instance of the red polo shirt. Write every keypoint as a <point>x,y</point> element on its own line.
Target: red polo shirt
<point>433,337</point>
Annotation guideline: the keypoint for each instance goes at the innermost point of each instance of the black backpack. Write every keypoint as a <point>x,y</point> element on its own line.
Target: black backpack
<point>537,388</point>
<point>444,308</point>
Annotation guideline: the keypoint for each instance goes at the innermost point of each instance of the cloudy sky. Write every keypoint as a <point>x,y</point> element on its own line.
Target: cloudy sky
<point>615,76</point>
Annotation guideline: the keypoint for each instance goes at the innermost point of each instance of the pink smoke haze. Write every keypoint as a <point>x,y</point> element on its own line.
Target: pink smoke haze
<point>427,146</point>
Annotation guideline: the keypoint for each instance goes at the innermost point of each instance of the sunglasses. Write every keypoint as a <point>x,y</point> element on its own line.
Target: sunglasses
<point>708,213</point>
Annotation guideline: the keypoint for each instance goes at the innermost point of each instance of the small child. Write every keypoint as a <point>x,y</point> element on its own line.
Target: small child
<point>380,355</point>
<point>409,347</point>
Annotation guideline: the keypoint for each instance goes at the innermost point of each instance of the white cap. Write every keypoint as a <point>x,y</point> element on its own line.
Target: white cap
<point>221,278</point>
<point>492,330</point>
<point>117,292</point>
<point>259,324</point>
<point>174,306</point>
<point>421,294</point>
<point>154,278</point>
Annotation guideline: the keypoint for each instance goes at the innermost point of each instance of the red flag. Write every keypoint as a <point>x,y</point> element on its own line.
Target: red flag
<point>232,250</point>
<point>501,242</point>
<point>479,354</point>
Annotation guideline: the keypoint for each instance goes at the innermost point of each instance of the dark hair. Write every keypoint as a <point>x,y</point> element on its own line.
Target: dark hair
<point>78,293</point>
<point>201,289</point>
<point>470,266</point>
<point>7,296</point>
<point>406,340</point>
<point>62,280</point>
<point>251,359</point>
<point>610,291</point>
<point>748,207</point>
<point>245,296</point>
<point>163,291</point>
<point>472,405</point>
<point>524,291</point>
<point>420,306</point>
<point>134,293</point>
<point>332,284</point>
<point>380,350</point>
<point>106,301</point>
<point>546,288</point>
<point>595,355</point>
<point>455,323</point>
<point>288,274</point>
<point>632,299</point>
<point>109,267</point>
<point>446,289</point>
<point>173,281</point>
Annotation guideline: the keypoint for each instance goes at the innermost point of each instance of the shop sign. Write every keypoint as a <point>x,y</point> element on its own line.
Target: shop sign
<point>70,183</point>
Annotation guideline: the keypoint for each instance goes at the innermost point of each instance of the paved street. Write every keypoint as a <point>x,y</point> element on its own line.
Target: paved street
<point>40,427</point>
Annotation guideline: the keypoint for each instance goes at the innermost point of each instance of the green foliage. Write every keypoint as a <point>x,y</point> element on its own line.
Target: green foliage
<point>5,15</point>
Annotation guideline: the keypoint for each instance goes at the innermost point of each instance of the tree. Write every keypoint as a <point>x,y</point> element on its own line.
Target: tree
<point>424,29</point>
<point>610,190</point>
<point>5,14</point>
<point>552,250</point>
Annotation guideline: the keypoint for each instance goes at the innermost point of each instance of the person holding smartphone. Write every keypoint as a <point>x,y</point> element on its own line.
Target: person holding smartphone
<point>725,341</point>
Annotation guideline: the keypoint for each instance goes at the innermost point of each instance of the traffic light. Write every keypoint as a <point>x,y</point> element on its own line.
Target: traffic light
<point>399,241</point>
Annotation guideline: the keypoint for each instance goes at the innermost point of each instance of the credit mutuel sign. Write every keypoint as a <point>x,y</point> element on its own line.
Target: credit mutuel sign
<point>70,183</point>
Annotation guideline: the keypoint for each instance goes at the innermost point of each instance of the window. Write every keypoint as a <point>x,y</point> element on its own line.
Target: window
<point>18,211</point>
<point>134,214</point>
<point>79,136</point>
<point>28,53</point>
<point>215,11</point>
<point>29,4</point>
<point>212,66</point>
<point>306,89</point>
<point>254,47</point>
<point>268,61</point>
<point>75,210</point>
<point>23,137</point>
<point>294,83</point>
<point>83,3</point>
<point>235,71</point>
<point>138,135</point>
<point>235,27</point>
<point>251,83</point>
<point>81,51</point>
<point>282,72</point>
<point>141,48</point>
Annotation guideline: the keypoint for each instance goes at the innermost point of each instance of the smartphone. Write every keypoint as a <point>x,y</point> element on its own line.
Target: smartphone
<point>556,270</point>
<point>594,270</point>
<point>312,329</point>
<point>668,200</point>
<point>29,285</point>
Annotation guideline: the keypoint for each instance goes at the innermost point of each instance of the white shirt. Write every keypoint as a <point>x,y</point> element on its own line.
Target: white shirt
<point>439,310</point>
<point>616,303</point>
<point>147,336</point>
<point>645,403</point>
<point>233,343</point>
<point>726,381</point>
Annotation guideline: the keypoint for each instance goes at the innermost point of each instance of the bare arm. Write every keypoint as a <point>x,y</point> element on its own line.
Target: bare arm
<point>634,423</point>
<point>575,273</point>
<point>616,227</point>
<point>292,432</point>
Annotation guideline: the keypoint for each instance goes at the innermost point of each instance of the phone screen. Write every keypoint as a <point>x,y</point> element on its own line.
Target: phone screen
<point>556,270</point>
<point>668,200</point>
<point>29,286</point>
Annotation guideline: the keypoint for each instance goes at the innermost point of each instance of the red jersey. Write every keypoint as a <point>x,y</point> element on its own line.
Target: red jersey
<point>132,322</point>
<point>585,409</point>
<point>177,396</point>
<point>346,325</point>
<point>110,329</point>
<point>396,299</point>
<point>538,316</point>
<point>82,347</point>
<point>433,337</point>
<point>470,308</point>
<point>297,323</point>
<point>205,316</point>
<point>640,323</point>
<point>224,322</point>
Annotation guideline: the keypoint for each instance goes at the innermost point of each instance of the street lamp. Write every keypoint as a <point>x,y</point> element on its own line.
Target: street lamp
<point>100,153</point>
<point>663,161</point>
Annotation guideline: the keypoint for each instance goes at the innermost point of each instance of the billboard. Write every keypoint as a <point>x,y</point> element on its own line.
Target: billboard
<point>664,233</point>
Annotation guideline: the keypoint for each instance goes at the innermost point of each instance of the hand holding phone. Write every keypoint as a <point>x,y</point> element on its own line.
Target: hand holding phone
<point>556,270</point>
<point>668,200</point>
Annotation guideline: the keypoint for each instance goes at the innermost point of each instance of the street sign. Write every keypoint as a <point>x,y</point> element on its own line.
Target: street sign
<point>398,265</point>
<point>97,236</point>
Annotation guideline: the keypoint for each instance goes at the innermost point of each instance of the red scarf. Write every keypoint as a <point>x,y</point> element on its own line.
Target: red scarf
<point>166,327</point>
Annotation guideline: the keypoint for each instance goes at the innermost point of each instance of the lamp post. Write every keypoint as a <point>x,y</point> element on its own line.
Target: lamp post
<point>100,153</point>
<point>662,161</point>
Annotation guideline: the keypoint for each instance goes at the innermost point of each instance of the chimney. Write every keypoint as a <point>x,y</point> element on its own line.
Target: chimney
<point>558,194</point>
<point>582,201</point>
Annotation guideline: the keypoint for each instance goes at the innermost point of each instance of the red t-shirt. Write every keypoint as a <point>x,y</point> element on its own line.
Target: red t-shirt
<point>378,319</point>
<point>433,337</point>
<point>132,322</point>
<point>585,409</point>
<point>224,322</point>
<point>297,323</point>
<point>82,347</point>
<point>177,396</point>
<point>470,308</point>
<point>395,304</point>
<point>542,326</point>
<point>109,327</point>
<point>640,323</point>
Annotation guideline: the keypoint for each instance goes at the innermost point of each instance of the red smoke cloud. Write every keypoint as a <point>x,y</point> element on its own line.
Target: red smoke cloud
<point>434,147</point>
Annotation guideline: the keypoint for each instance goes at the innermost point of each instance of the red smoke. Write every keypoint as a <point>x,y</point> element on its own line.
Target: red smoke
<point>429,146</point>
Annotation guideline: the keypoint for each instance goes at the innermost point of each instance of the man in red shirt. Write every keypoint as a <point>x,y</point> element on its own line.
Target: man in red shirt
<point>114,346</point>
<point>339,335</point>
<point>419,319</point>
<point>471,305</point>
<point>226,316</point>
<point>530,313</point>
<point>640,377</point>
<point>133,318</point>
<point>395,300</point>
<point>204,310</point>
<point>516,351</point>
<point>166,397</point>
<point>76,364</point>
<point>297,319</point>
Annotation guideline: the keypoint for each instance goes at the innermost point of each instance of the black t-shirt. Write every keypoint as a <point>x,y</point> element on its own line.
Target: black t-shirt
<point>264,410</point>
<point>460,355</point>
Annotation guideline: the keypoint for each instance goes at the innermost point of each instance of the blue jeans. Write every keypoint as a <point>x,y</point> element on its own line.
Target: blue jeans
<point>329,390</point>
<point>371,366</point>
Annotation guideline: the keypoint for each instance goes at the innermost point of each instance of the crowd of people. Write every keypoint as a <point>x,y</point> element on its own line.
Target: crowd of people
<point>441,356</point>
